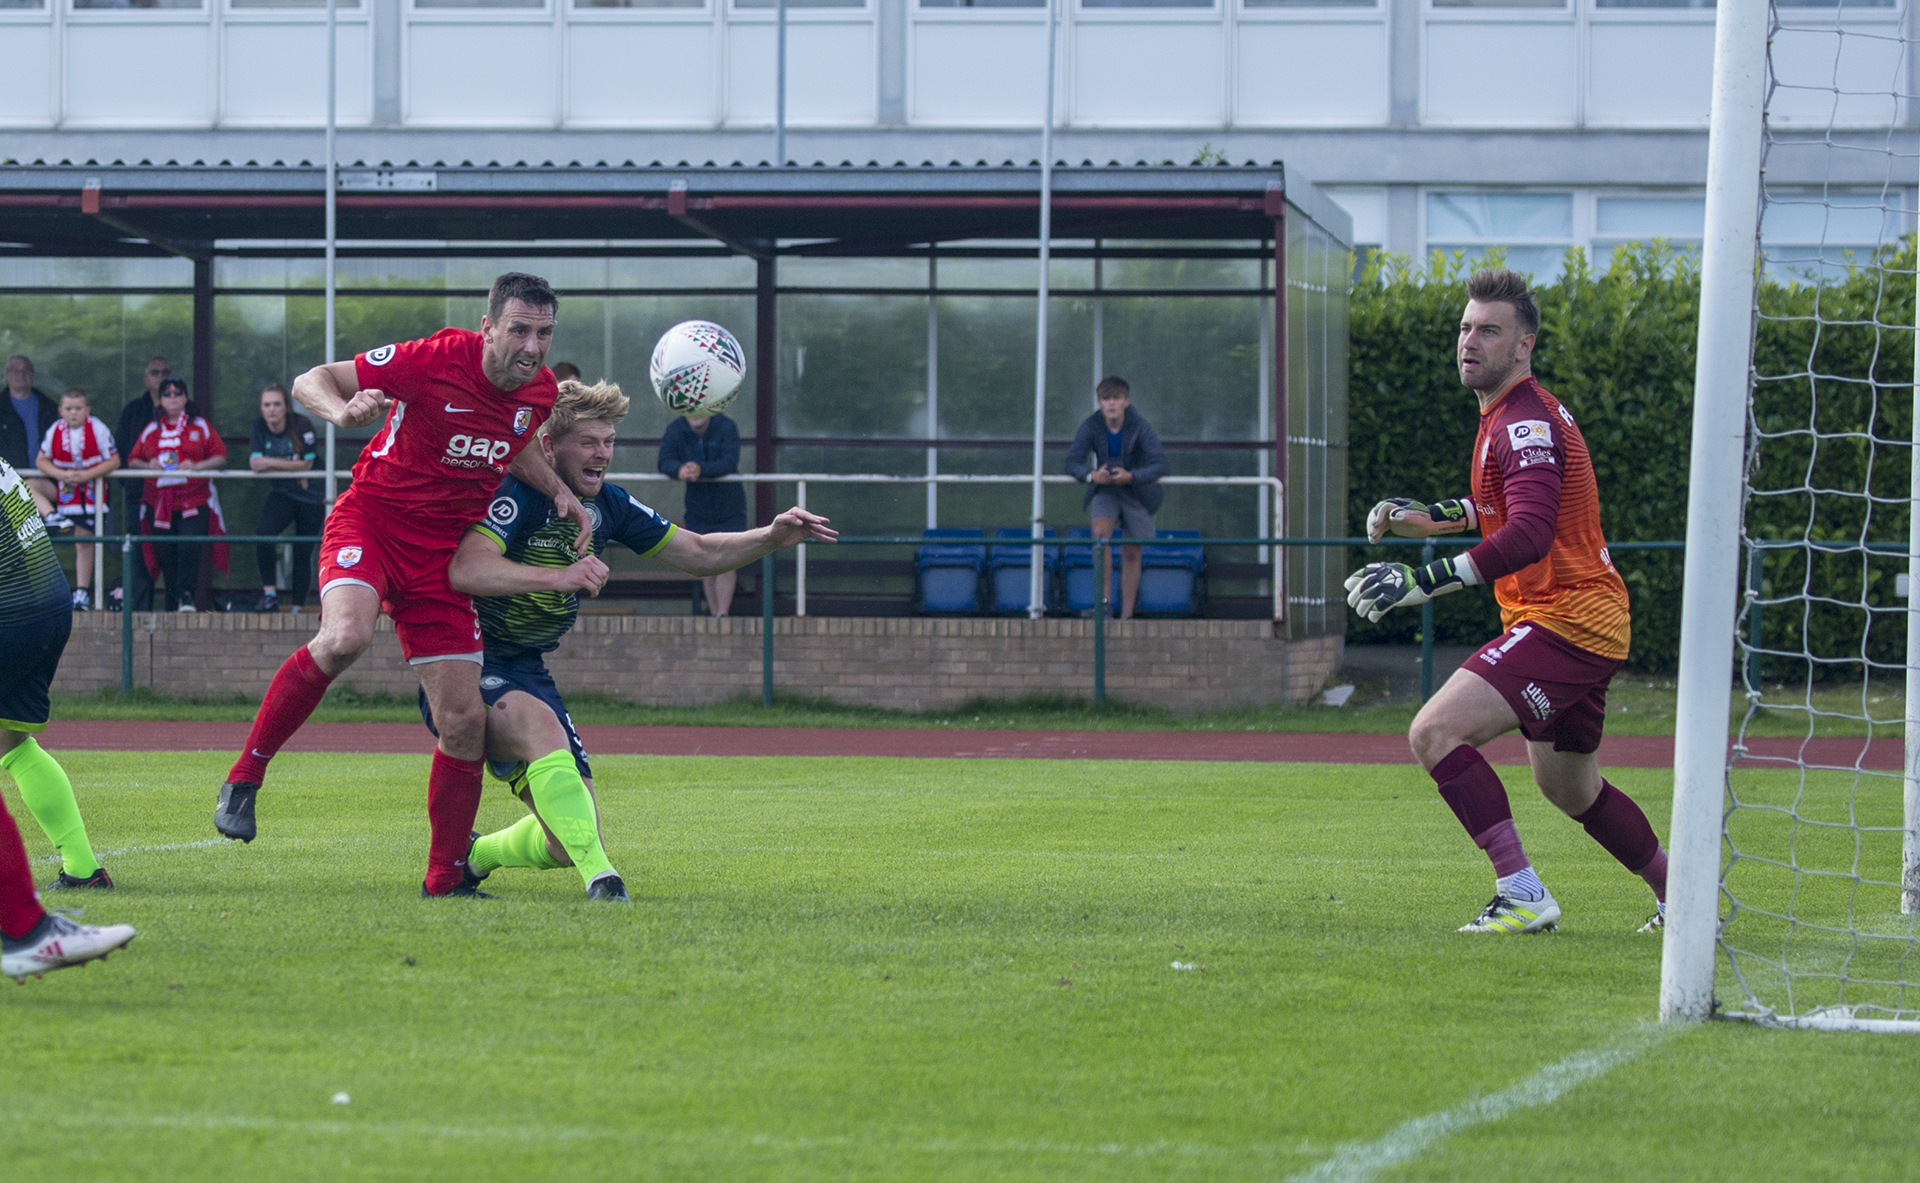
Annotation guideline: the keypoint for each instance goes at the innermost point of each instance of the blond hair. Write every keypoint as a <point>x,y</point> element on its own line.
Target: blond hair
<point>601,402</point>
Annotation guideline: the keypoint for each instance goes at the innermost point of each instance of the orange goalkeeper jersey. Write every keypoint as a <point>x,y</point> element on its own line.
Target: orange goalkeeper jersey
<point>1573,590</point>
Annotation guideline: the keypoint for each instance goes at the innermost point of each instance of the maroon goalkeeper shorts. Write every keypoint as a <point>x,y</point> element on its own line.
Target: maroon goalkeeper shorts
<point>1558,689</point>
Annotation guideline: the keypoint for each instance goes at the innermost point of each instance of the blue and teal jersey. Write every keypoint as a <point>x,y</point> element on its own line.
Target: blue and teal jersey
<point>521,522</point>
<point>31,581</point>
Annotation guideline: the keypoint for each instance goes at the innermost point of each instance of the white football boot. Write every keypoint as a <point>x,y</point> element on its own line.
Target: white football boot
<point>57,942</point>
<point>1510,916</point>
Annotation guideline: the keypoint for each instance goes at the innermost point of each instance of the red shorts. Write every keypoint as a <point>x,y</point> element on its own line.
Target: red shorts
<point>1558,689</point>
<point>408,568</point>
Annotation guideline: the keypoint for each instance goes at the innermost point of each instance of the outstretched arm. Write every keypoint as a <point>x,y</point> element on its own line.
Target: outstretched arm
<point>714,554</point>
<point>479,569</point>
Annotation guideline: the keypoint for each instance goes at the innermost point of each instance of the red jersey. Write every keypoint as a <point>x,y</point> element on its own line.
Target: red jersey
<point>1527,438</point>
<point>188,438</point>
<point>449,435</point>
<point>67,448</point>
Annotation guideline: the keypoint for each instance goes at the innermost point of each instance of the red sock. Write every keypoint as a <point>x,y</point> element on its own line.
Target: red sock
<point>1473,790</point>
<point>295,690</point>
<point>453,801</point>
<point>1615,822</point>
<point>19,901</point>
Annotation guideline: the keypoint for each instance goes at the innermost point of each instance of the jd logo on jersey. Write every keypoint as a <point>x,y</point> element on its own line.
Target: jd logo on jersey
<point>1530,433</point>
<point>348,556</point>
<point>522,419</point>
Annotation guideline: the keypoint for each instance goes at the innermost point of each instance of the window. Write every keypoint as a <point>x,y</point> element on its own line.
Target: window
<point>983,3</point>
<point>793,4</point>
<point>1534,228</point>
<point>129,4</point>
<point>1680,221</point>
<point>293,3</point>
<point>479,3</point>
<point>1146,3</point>
<point>1709,3</point>
<point>4,4</point>
<point>1499,3</point>
<point>1811,235</point>
<point>1310,3</point>
<point>639,3</point>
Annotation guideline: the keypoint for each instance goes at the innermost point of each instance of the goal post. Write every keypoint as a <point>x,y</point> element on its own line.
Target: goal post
<point>1721,383</point>
<point>1794,883</point>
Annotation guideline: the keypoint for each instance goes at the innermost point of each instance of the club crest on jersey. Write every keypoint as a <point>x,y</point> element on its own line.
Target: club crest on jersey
<point>380,356</point>
<point>522,419</point>
<point>348,556</point>
<point>1530,433</point>
<point>492,682</point>
<point>593,517</point>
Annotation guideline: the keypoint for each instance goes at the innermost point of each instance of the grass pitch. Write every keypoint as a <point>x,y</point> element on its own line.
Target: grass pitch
<point>888,969</point>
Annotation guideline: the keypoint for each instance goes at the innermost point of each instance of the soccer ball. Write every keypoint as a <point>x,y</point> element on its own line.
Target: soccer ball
<point>697,367</point>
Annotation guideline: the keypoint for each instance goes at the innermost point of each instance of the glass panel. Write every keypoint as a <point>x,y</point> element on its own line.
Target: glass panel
<point>1499,3</point>
<point>1653,3</point>
<point>1180,273</point>
<point>792,4</point>
<point>1845,218</point>
<point>23,3</point>
<point>983,3</point>
<point>137,4</point>
<point>1193,363</point>
<point>292,3</point>
<point>1542,263</point>
<point>1651,217</point>
<point>1146,3</point>
<point>986,367</point>
<point>1499,215</point>
<point>639,3</point>
<point>1310,3</point>
<point>852,273</point>
<point>479,3</point>
<point>854,365</point>
<point>96,273</point>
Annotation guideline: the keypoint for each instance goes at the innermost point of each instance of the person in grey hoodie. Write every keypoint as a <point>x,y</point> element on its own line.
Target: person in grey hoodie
<point>1118,454</point>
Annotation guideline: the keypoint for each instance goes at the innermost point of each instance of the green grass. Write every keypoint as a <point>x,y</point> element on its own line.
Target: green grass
<point>1637,704</point>
<point>883,969</point>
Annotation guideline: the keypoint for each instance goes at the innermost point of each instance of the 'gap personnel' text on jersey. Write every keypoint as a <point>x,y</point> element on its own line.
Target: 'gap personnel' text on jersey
<point>450,433</point>
<point>32,584</point>
<point>521,523</point>
<point>1574,591</point>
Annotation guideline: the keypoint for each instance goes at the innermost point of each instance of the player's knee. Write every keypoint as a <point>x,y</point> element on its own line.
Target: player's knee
<point>1431,737</point>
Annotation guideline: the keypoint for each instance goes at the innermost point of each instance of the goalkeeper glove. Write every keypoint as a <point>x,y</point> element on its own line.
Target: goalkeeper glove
<point>1377,588</point>
<point>1408,518</point>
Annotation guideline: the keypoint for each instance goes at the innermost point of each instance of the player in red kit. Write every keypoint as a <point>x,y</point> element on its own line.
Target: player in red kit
<point>461,408</point>
<point>1563,605</point>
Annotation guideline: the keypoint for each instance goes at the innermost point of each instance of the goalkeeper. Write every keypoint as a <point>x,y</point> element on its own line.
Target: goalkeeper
<point>519,565</point>
<point>1563,605</point>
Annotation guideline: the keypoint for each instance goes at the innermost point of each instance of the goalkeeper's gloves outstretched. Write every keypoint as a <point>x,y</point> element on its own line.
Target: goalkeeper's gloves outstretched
<point>1378,588</point>
<point>1407,518</point>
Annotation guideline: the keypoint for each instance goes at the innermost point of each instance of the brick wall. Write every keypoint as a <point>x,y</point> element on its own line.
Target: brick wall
<point>907,663</point>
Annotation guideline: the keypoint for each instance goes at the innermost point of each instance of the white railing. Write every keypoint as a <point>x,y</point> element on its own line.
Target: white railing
<point>1276,556</point>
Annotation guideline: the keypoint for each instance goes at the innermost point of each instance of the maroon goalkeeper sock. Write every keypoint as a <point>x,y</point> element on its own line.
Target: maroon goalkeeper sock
<point>453,801</point>
<point>19,901</point>
<point>295,690</point>
<point>1619,825</point>
<point>1473,790</point>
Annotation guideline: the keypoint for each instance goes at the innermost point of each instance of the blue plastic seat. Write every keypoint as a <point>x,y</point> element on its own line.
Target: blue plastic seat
<point>1010,570</point>
<point>1076,574</point>
<point>947,573</point>
<point>1171,577</point>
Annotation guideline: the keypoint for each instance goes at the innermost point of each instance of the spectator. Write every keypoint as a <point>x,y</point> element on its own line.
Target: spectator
<point>175,442</point>
<point>565,371</point>
<point>1118,453</point>
<point>134,418</point>
<point>696,449</point>
<point>75,452</point>
<point>284,442</point>
<point>24,420</point>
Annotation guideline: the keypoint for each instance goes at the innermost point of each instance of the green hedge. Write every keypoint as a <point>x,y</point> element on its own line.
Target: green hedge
<point>1618,349</point>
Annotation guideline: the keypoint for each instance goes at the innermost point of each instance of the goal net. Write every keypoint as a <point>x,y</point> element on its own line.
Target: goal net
<point>1816,855</point>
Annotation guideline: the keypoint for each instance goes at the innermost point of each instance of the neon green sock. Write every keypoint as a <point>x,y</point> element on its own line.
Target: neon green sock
<point>522,844</point>
<point>567,808</point>
<point>49,796</point>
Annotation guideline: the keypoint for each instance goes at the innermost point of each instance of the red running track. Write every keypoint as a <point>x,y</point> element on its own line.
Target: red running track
<point>1625,751</point>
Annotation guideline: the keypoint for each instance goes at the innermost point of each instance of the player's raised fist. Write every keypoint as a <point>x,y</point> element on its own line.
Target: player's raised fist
<point>797,525</point>
<point>365,407</point>
<point>588,575</point>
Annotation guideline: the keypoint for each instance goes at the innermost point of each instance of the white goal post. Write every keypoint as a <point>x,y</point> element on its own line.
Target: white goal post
<point>1794,881</point>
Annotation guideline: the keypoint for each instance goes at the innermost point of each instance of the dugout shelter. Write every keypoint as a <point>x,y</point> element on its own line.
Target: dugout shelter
<point>889,312</point>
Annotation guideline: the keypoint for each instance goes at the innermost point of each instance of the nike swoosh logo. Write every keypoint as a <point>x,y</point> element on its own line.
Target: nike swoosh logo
<point>261,754</point>
<point>453,410</point>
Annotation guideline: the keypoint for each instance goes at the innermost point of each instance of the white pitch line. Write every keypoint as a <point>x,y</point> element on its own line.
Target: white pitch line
<point>103,855</point>
<point>1359,1162</point>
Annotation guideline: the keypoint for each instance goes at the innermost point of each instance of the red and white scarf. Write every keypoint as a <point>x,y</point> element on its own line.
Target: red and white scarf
<point>67,447</point>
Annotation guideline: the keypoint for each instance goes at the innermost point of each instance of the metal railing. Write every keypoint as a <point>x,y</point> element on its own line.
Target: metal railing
<point>1273,549</point>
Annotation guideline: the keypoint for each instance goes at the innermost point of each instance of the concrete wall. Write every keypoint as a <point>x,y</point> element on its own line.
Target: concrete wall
<point>910,664</point>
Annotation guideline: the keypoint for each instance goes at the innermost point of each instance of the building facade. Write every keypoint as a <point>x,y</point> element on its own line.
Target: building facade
<point>1530,124</point>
